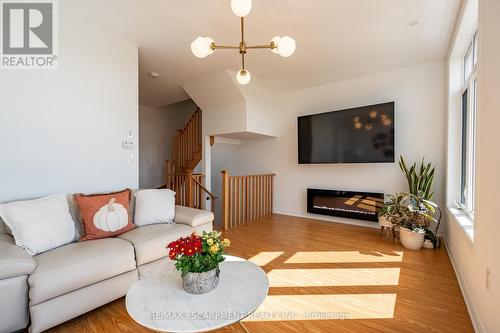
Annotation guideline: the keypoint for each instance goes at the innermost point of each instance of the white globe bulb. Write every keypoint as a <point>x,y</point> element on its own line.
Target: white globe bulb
<point>241,8</point>
<point>286,46</point>
<point>243,77</point>
<point>201,47</point>
<point>276,41</point>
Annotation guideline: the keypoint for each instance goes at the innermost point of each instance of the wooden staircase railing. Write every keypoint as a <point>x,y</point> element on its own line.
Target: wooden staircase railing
<point>186,154</point>
<point>189,189</point>
<point>245,198</point>
<point>187,144</point>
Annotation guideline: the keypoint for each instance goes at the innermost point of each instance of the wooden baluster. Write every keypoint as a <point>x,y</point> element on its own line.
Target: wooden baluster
<point>256,197</point>
<point>242,212</point>
<point>259,191</point>
<point>237,200</point>
<point>179,190</point>
<point>247,208</point>
<point>190,140</point>
<point>189,189</point>
<point>272,191</point>
<point>268,195</point>
<point>225,200</point>
<point>254,203</point>
<point>198,127</point>
<point>188,147</point>
<point>242,191</point>
<point>200,197</point>
<point>233,202</point>
<point>264,196</point>
<point>177,197</point>
<point>262,193</point>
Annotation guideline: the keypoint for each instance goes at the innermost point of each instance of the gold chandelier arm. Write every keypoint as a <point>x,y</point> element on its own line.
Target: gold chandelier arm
<point>270,46</point>
<point>224,47</point>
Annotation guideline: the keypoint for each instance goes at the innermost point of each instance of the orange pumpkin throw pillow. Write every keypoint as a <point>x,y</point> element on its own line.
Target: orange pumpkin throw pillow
<point>104,215</point>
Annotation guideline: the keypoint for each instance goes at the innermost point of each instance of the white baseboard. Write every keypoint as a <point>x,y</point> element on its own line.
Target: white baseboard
<point>476,322</point>
<point>328,218</point>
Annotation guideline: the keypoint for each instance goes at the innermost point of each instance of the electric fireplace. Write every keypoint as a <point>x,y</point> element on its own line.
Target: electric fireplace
<point>349,204</point>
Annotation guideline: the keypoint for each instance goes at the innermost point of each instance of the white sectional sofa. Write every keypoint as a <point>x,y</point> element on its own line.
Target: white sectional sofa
<point>50,288</point>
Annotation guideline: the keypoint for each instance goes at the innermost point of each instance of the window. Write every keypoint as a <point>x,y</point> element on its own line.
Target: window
<point>468,142</point>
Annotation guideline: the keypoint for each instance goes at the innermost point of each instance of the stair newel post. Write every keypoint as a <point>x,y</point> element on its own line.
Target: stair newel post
<point>189,189</point>
<point>225,200</point>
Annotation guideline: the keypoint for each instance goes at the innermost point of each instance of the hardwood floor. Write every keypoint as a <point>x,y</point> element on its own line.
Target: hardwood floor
<point>326,270</point>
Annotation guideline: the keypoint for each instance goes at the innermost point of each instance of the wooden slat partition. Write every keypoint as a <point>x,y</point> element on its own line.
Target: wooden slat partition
<point>245,198</point>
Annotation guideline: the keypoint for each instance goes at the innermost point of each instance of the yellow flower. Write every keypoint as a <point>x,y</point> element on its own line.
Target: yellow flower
<point>210,241</point>
<point>214,248</point>
<point>226,242</point>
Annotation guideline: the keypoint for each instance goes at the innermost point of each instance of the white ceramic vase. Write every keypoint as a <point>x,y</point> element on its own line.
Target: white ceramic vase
<point>411,240</point>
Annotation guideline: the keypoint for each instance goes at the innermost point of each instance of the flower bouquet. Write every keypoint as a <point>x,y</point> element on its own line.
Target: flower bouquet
<point>197,258</point>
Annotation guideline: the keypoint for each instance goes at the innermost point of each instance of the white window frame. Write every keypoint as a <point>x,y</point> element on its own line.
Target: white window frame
<point>470,84</point>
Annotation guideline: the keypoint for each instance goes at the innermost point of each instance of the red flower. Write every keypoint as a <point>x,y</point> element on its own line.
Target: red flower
<point>188,246</point>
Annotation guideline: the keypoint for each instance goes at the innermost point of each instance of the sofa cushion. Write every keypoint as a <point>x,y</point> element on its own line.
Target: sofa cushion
<point>14,260</point>
<point>78,265</point>
<point>150,241</point>
<point>192,216</point>
<point>154,206</point>
<point>104,215</point>
<point>39,225</point>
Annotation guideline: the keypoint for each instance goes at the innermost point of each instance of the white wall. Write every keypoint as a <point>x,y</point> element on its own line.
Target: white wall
<point>61,130</point>
<point>157,127</point>
<point>222,153</point>
<point>472,258</point>
<point>419,93</point>
<point>223,104</point>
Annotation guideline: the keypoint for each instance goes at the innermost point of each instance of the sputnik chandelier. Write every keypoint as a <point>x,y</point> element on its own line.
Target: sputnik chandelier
<point>205,46</point>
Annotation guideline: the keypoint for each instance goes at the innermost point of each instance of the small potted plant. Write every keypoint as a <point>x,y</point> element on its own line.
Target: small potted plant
<point>412,216</point>
<point>198,258</point>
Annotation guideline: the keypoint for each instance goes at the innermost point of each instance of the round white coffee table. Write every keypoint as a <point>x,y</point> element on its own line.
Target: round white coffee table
<point>158,302</point>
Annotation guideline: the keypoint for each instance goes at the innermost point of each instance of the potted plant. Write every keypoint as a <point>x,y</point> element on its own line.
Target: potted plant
<point>412,216</point>
<point>197,258</point>
<point>420,179</point>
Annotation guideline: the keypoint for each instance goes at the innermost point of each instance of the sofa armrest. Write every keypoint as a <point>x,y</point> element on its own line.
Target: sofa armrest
<point>192,216</point>
<point>14,260</point>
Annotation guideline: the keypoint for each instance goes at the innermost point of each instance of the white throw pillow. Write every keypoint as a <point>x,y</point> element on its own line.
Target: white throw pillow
<point>39,225</point>
<point>154,206</point>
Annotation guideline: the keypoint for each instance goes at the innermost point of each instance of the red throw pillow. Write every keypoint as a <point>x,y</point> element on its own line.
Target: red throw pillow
<point>104,215</point>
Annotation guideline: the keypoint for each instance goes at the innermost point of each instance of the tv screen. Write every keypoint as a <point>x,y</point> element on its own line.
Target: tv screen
<point>359,135</point>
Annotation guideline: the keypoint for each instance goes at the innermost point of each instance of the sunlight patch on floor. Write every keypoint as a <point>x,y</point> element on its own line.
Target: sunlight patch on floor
<point>325,307</point>
<point>344,257</point>
<point>264,258</point>
<point>333,277</point>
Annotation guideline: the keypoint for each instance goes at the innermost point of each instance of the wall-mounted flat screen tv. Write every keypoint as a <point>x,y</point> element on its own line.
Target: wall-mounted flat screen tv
<point>359,135</point>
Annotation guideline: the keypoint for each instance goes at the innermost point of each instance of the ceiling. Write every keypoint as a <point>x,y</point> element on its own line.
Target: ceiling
<point>336,39</point>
